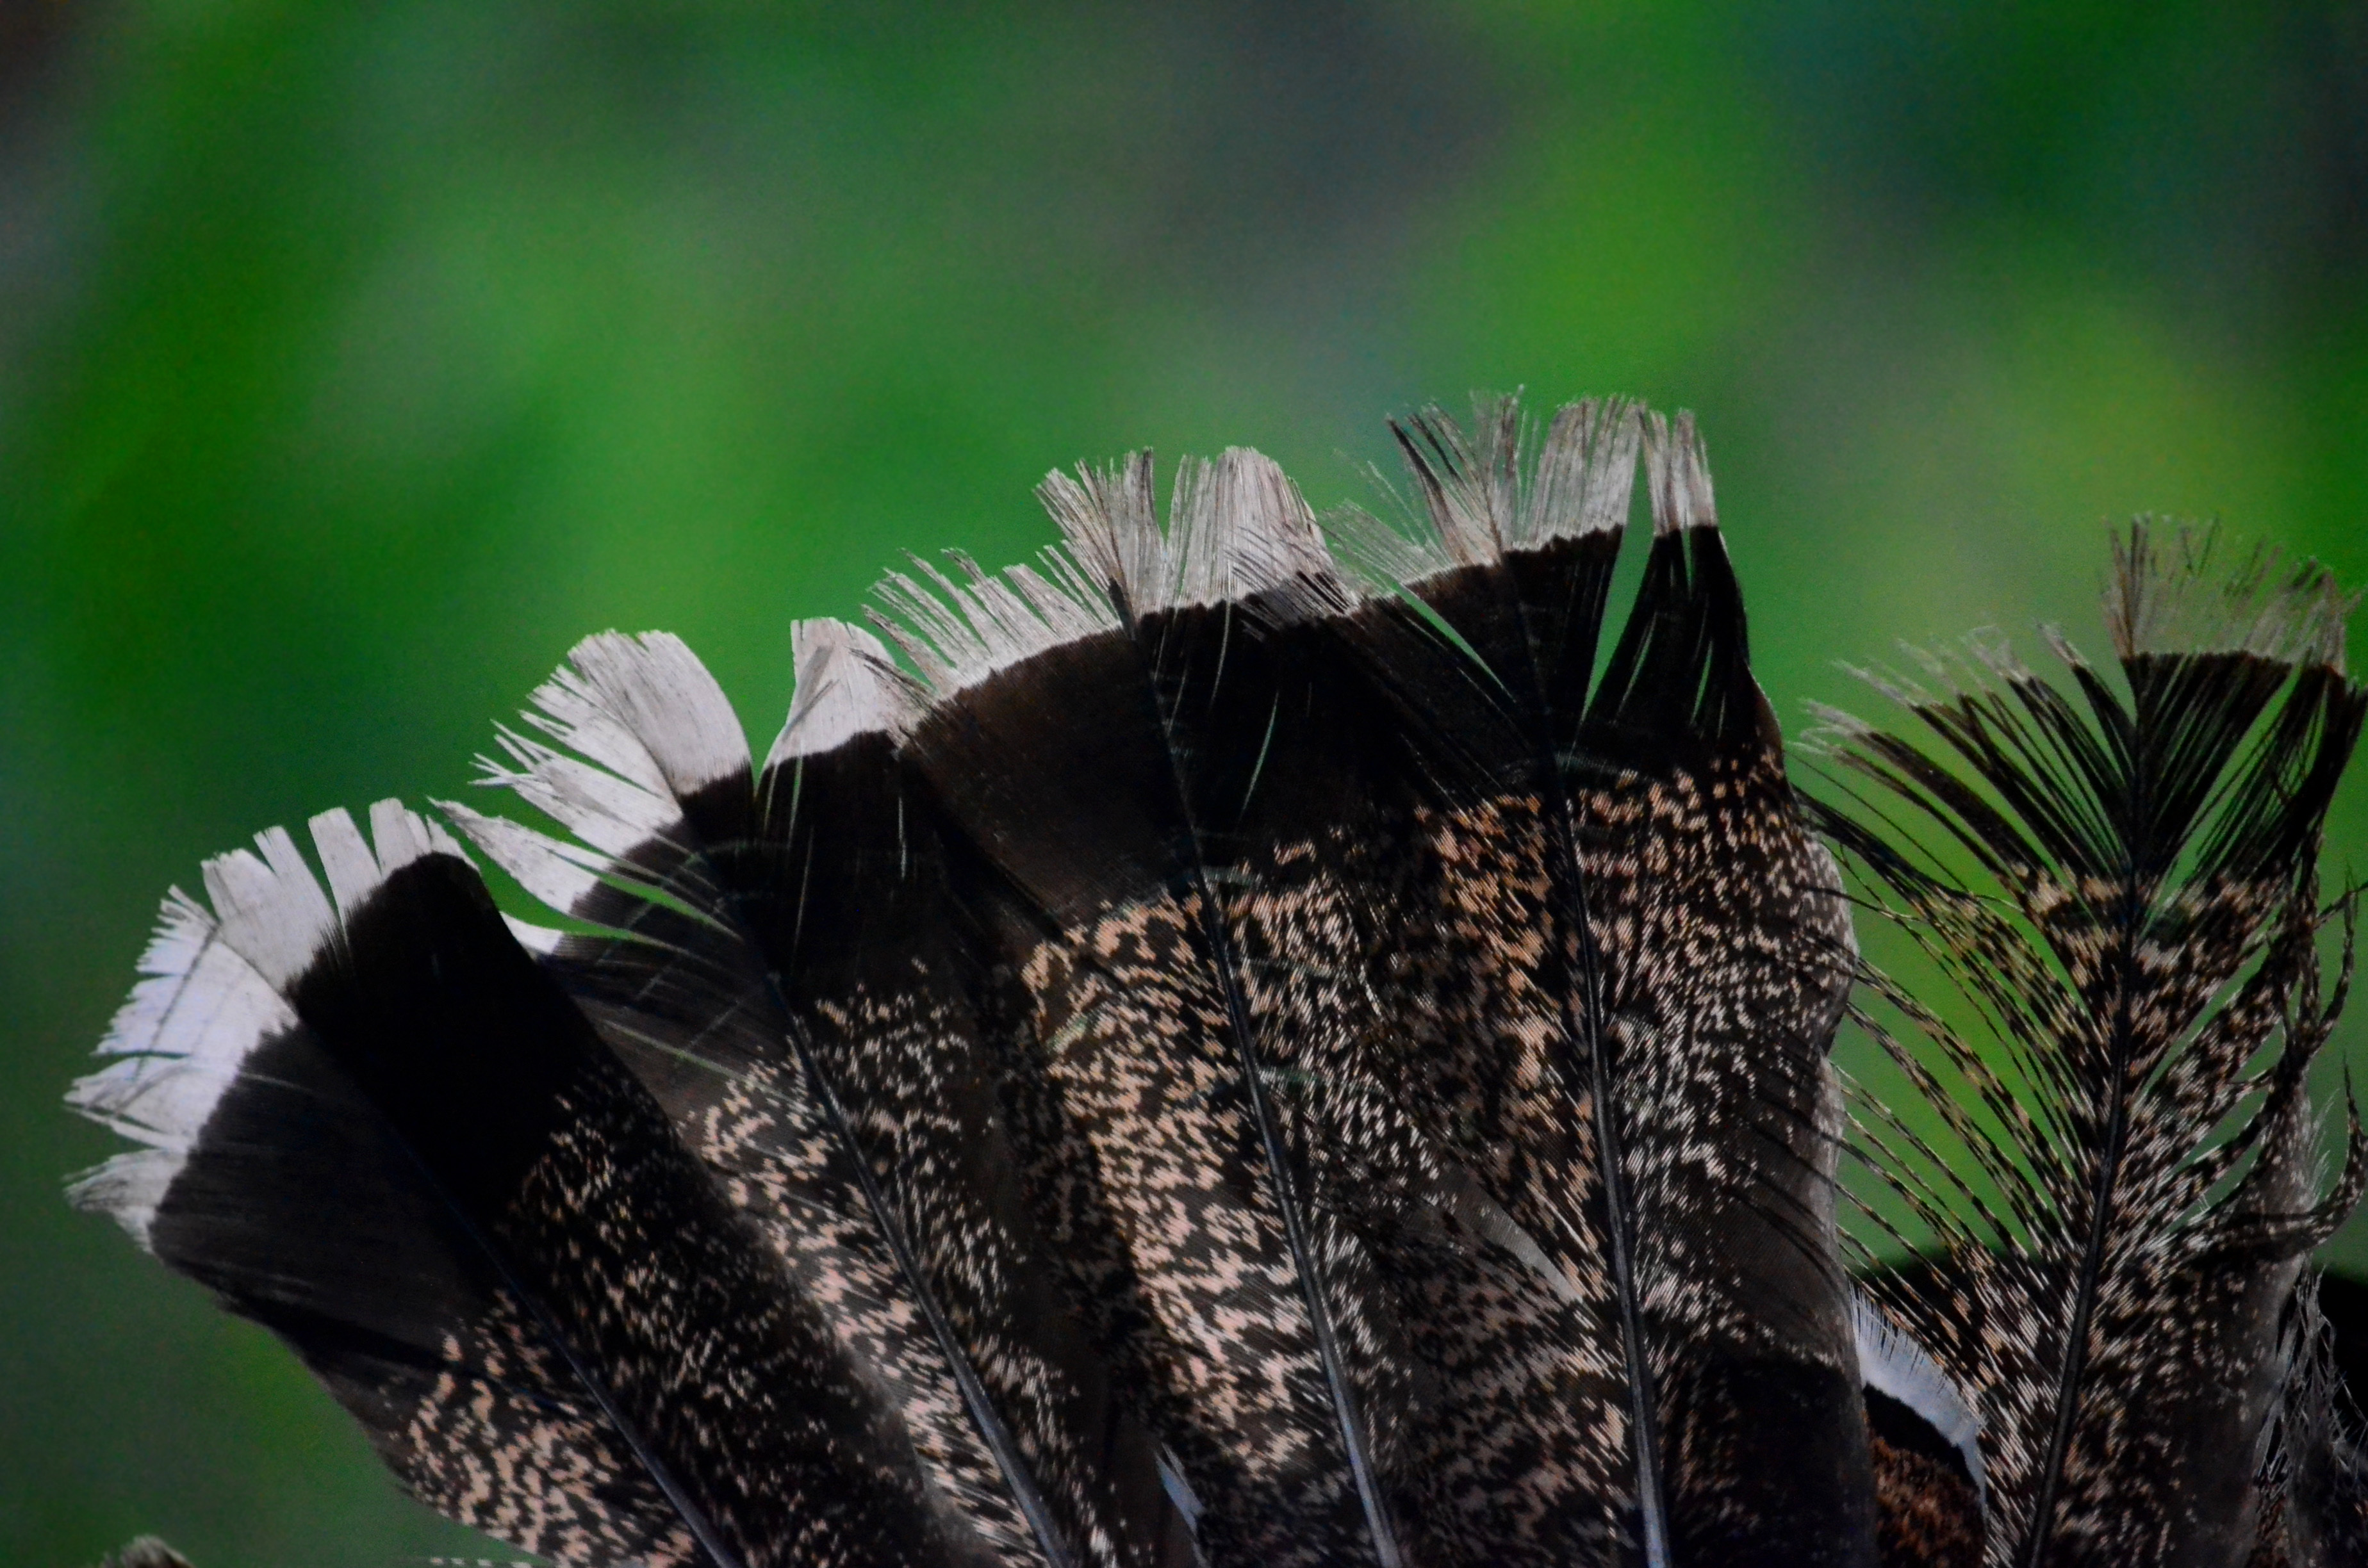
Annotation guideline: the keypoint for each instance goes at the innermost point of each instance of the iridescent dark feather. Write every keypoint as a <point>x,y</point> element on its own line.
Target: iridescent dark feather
<point>1206,1056</point>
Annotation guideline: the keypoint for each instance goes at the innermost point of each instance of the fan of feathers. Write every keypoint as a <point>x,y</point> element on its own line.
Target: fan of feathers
<point>1260,1041</point>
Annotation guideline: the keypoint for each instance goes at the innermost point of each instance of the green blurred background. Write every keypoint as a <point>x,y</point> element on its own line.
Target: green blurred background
<point>356,359</point>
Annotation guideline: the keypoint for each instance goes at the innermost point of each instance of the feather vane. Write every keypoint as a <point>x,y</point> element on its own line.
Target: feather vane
<point>2150,938</point>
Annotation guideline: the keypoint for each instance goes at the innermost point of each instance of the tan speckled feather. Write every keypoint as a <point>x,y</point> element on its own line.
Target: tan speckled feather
<point>2130,900</point>
<point>1259,1041</point>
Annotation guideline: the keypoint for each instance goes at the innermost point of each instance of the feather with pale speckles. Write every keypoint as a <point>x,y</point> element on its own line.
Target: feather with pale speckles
<point>1624,981</point>
<point>381,1131</point>
<point>2122,887</point>
<point>1246,1043</point>
<point>771,957</point>
<point>1184,1010</point>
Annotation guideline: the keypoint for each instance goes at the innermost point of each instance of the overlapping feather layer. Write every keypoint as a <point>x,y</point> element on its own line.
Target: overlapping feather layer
<point>1217,1057</point>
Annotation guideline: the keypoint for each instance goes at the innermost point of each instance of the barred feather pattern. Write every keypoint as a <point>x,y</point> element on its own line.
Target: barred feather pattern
<point>2146,964</point>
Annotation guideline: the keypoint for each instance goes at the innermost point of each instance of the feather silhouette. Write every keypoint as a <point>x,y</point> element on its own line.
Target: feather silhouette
<point>1254,1040</point>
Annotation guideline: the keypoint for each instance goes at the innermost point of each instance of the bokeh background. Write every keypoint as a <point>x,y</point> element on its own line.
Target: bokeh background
<point>355,358</point>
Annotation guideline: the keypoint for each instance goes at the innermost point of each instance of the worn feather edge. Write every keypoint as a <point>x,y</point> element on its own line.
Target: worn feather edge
<point>647,726</point>
<point>1238,529</point>
<point>1892,1362</point>
<point>847,685</point>
<point>1677,475</point>
<point>2168,594</point>
<point>1485,505</point>
<point>2162,598</point>
<point>212,992</point>
<point>644,708</point>
<point>648,713</point>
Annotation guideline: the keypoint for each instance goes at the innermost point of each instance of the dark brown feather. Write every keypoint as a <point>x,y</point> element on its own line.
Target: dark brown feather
<point>1222,1058</point>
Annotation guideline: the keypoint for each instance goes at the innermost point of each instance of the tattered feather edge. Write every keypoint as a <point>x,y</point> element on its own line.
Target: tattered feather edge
<point>213,993</point>
<point>1238,532</point>
<point>1501,488</point>
<point>2170,595</point>
<point>147,1551</point>
<point>616,785</point>
<point>847,685</point>
<point>648,725</point>
<point>2165,597</point>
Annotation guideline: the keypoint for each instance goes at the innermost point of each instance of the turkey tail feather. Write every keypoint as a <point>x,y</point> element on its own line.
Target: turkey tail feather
<point>1099,731</point>
<point>1696,970</point>
<point>381,1131</point>
<point>2155,933</point>
<point>1260,1041</point>
<point>770,960</point>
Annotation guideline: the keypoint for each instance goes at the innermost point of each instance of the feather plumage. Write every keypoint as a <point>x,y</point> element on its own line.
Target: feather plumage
<point>1207,1055</point>
<point>2142,936</point>
<point>383,1131</point>
<point>1678,1148</point>
<point>771,961</point>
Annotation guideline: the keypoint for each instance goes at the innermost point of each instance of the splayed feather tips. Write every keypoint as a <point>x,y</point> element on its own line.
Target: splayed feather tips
<point>1184,1054</point>
<point>1678,474</point>
<point>847,687</point>
<point>212,993</point>
<point>1498,487</point>
<point>2146,968</point>
<point>2168,594</point>
<point>1237,528</point>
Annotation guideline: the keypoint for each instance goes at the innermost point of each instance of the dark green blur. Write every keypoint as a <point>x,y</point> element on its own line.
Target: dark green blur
<point>356,359</point>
